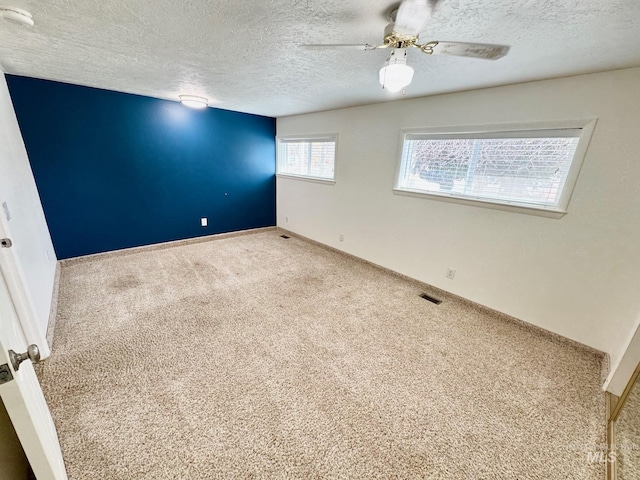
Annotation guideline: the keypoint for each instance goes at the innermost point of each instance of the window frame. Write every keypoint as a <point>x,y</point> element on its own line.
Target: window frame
<point>333,136</point>
<point>525,129</point>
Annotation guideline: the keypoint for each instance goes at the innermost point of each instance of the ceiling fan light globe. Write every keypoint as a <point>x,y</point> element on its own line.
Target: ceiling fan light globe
<point>396,76</point>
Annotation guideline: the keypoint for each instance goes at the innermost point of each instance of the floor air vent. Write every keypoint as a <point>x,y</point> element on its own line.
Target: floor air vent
<point>285,236</point>
<point>431,299</point>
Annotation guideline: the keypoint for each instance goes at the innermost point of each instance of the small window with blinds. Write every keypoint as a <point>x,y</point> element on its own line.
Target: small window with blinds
<point>533,169</point>
<point>311,157</point>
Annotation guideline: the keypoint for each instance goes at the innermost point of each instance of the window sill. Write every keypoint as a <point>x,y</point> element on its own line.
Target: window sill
<point>540,212</point>
<point>326,181</point>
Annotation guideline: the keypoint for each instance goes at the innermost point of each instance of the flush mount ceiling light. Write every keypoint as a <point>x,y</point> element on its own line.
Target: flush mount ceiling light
<point>396,74</point>
<point>194,101</point>
<point>16,15</point>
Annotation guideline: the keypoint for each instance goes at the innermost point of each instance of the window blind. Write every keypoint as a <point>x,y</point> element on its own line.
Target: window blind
<point>508,167</point>
<point>307,157</point>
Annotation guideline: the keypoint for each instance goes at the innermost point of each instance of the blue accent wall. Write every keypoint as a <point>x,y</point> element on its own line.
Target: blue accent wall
<point>116,170</point>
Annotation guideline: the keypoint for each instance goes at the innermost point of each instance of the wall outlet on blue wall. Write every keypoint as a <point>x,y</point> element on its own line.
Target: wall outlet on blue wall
<point>203,221</point>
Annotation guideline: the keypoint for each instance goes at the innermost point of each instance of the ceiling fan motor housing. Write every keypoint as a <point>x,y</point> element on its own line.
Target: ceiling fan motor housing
<point>393,39</point>
<point>388,30</point>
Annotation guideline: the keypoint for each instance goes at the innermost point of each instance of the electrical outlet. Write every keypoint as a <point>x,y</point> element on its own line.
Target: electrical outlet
<point>341,237</point>
<point>451,273</point>
<point>204,222</point>
<point>286,219</point>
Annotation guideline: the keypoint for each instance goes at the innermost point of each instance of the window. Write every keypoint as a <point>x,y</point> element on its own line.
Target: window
<point>309,157</point>
<point>533,169</point>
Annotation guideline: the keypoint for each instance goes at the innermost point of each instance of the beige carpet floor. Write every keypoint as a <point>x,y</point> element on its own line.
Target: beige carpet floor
<point>261,357</point>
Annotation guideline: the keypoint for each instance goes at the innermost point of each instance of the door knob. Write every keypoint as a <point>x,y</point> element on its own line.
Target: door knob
<point>32,353</point>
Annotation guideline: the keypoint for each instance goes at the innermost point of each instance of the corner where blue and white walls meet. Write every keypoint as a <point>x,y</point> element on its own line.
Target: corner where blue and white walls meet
<point>116,170</point>
<point>29,266</point>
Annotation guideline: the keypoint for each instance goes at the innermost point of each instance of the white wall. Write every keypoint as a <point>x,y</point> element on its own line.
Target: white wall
<point>576,276</point>
<point>34,254</point>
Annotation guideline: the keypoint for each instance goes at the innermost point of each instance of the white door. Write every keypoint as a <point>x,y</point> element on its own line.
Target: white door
<point>23,398</point>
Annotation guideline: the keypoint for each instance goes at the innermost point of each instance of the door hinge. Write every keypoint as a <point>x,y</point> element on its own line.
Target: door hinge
<point>5,374</point>
<point>6,243</point>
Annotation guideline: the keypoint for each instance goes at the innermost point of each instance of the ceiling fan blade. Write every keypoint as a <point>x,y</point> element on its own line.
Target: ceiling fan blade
<point>349,46</point>
<point>477,50</point>
<point>413,15</point>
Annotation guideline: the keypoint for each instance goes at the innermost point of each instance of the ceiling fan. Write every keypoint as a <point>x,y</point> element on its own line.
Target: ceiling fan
<point>408,20</point>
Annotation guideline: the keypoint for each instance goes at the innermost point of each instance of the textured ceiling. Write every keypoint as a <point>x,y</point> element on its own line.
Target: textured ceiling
<point>243,55</point>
